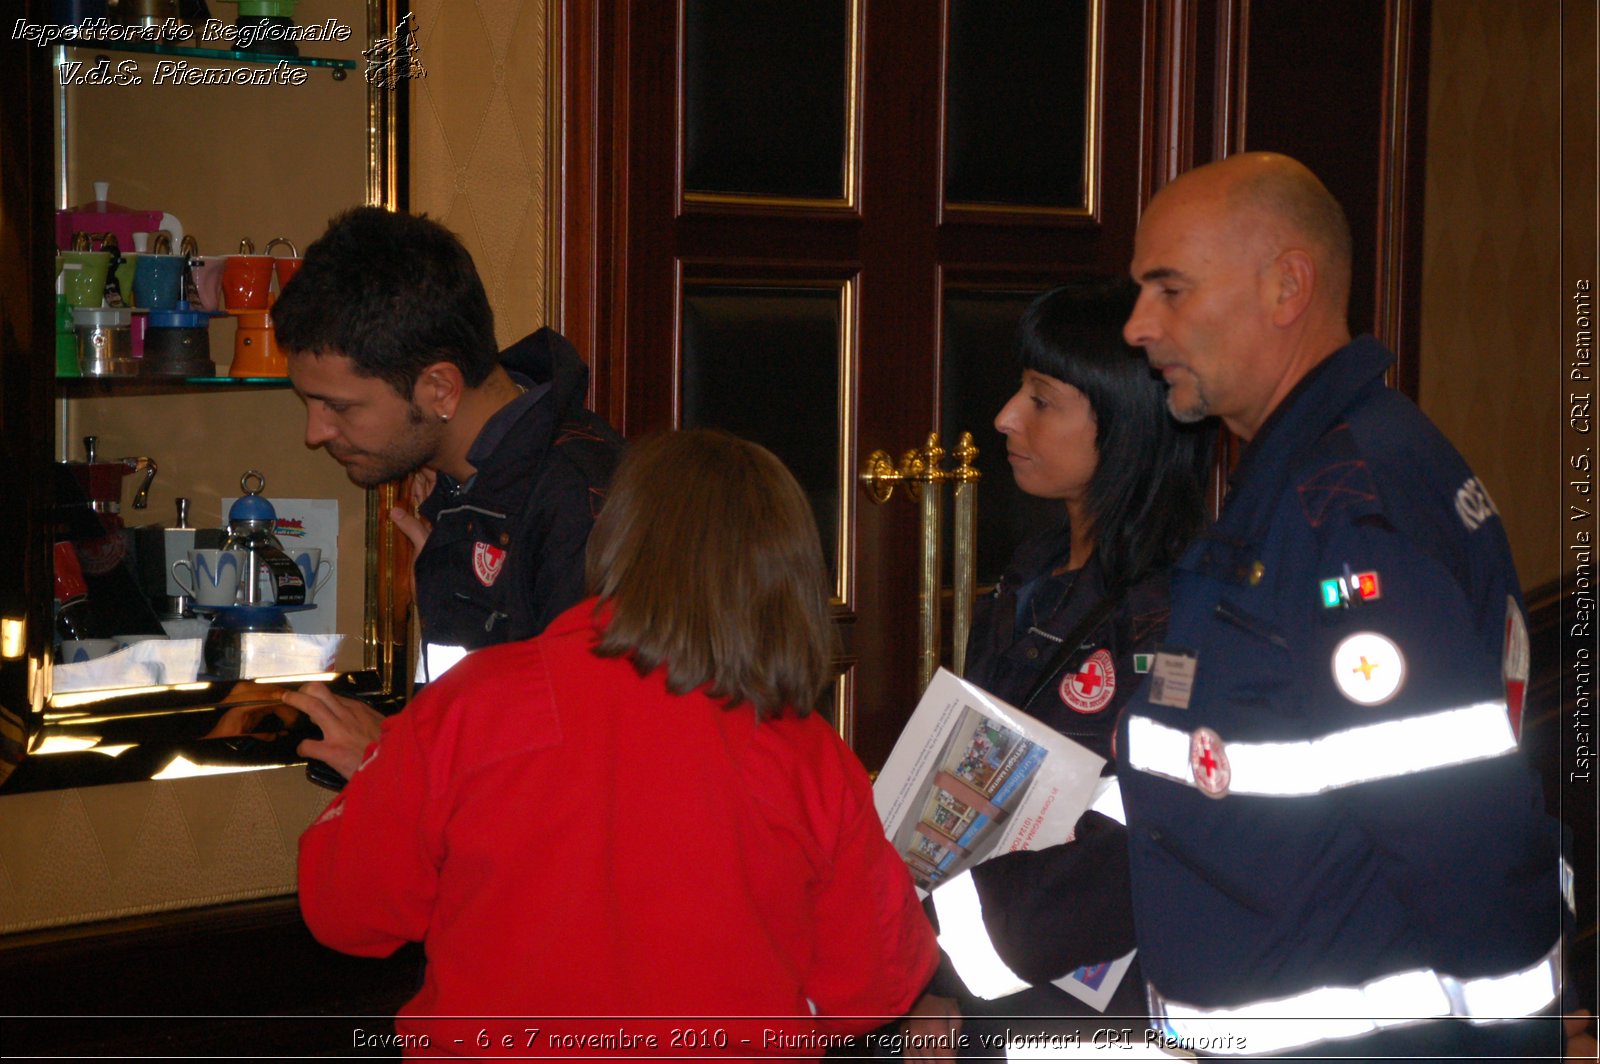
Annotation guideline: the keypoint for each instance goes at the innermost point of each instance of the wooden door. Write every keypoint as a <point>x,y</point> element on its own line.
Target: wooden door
<point>815,224</point>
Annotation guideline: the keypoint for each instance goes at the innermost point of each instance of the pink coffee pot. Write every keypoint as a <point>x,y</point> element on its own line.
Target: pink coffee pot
<point>103,216</point>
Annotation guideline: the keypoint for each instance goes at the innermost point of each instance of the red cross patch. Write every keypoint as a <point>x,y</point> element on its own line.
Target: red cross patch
<point>1514,664</point>
<point>1208,762</point>
<point>487,561</point>
<point>1089,690</point>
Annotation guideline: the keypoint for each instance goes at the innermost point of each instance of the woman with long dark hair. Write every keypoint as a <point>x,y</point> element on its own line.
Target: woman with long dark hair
<point>1065,637</point>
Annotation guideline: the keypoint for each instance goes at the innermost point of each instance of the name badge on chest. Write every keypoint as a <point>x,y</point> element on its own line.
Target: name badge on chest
<point>1172,677</point>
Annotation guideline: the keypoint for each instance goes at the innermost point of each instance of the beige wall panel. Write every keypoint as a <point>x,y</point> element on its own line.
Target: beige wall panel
<point>480,145</point>
<point>231,161</point>
<point>1491,358</point>
<point>123,850</point>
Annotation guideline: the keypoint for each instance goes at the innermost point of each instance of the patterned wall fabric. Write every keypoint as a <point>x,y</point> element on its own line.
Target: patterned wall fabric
<point>481,144</point>
<point>1491,313</point>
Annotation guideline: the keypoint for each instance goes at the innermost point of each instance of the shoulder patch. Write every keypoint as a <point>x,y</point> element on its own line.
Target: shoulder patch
<point>1368,668</point>
<point>1473,504</point>
<point>1514,667</point>
<point>575,433</point>
<point>1089,690</point>
<point>1335,488</point>
<point>487,561</point>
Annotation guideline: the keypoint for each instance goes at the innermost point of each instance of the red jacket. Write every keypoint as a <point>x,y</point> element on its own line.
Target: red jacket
<point>571,840</point>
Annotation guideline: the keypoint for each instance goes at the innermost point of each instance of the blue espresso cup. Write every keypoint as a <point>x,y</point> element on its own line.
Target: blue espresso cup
<point>158,281</point>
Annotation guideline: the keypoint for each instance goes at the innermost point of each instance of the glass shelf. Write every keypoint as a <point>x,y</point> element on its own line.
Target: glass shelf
<point>338,66</point>
<point>90,387</point>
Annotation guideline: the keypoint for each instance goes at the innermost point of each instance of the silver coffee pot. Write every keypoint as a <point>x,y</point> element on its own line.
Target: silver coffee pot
<point>270,577</point>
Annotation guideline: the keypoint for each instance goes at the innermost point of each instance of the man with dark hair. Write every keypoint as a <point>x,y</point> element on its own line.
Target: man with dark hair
<point>390,342</point>
<point>1336,845</point>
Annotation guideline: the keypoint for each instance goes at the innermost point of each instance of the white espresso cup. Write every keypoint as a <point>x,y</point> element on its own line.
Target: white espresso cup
<point>210,576</point>
<point>316,571</point>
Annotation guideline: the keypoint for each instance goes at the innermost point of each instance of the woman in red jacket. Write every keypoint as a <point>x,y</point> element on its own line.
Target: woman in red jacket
<point>629,834</point>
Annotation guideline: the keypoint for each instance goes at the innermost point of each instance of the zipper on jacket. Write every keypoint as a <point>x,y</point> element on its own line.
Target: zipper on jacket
<point>1240,619</point>
<point>494,617</point>
<point>1179,854</point>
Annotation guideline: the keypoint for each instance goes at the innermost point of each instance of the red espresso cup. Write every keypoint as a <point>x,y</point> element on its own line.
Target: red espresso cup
<point>247,282</point>
<point>285,269</point>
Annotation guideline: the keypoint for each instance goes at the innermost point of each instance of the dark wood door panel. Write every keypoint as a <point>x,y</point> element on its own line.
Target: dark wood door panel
<point>896,243</point>
<point>1178,82</point>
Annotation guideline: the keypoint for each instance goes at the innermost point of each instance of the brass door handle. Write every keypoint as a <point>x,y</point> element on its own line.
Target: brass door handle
<point>921,471</point>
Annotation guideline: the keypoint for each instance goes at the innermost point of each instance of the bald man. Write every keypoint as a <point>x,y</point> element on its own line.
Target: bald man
<point>1336,844</point>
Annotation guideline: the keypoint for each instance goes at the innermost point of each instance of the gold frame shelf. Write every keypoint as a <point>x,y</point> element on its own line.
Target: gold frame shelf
<point>339,67</point>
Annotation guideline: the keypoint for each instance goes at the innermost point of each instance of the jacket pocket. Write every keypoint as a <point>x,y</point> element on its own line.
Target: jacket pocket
<point>1210,876</point>
<point>1250,623</point>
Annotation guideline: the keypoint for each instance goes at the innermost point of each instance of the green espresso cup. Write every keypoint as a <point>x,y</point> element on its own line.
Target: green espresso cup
<point>83,276</point>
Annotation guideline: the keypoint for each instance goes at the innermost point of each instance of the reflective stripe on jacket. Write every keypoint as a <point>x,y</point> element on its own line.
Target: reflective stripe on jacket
<point>1338,1012</point>
<point>1324,792</point>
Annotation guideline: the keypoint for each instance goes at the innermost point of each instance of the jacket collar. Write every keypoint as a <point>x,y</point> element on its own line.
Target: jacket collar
<point>514,441</point>
<point>1316,404</point>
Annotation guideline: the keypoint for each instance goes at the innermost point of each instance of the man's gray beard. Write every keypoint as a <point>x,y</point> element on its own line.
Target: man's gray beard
<point>1187,415</point>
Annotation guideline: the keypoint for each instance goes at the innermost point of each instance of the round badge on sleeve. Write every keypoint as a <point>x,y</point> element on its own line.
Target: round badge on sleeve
<point>1208,763</point>
<point>1514,666</point>
<point>1368,668</point>
<point>1089,690</point>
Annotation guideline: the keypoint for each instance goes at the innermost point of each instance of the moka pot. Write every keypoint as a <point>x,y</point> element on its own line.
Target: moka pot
<point>270,578</point>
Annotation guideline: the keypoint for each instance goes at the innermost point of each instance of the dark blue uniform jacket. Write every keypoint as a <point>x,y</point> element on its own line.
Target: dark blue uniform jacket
<point>506,552</point>
<point>1337,796</point>
<point>1051,910</point>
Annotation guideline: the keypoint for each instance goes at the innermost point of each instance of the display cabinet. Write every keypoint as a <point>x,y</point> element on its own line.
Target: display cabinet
<point>231,146</point>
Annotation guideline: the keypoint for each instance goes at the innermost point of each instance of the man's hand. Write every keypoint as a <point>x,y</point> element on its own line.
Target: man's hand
<point>406,520</point>
<point>348,727</point>
<point>932,1024</point>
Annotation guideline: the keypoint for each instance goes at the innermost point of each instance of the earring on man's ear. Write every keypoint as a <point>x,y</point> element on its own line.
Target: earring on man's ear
<point>445,418</point>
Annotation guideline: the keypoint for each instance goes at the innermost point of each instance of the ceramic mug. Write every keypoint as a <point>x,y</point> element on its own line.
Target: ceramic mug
<point>311,567</point>
<point>247,282</point>
<point>285,269</point>
<point>83,276</point>
<point>158,281</point>
<point>75,651</point>
<point>124,273</point>
<point>213,575</point>
<point>208,281</point>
